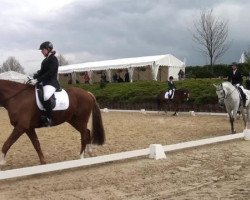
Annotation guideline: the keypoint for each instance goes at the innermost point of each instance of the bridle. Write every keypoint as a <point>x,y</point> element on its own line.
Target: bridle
<point>224,93</point>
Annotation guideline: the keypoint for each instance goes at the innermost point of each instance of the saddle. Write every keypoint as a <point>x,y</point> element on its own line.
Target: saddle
<point>59,100</point>
<point>169,94</point>
<point>243,96</point>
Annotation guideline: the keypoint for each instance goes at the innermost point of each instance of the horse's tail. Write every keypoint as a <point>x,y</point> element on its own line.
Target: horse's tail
<point>98,133</point>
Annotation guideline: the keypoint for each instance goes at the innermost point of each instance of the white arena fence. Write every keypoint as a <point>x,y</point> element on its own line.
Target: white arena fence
<point>155,151</point>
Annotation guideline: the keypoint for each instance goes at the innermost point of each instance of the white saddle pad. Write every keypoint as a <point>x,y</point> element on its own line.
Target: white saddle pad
<point>166,95</point>
<point>62,100</point>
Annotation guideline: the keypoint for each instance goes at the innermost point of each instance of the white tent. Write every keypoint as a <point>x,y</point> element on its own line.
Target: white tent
<point>14,76</point>
<point>174,65</point>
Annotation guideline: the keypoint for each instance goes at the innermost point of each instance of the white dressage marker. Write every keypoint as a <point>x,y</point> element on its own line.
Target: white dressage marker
<point>246,134</point>
<point>156,152</point>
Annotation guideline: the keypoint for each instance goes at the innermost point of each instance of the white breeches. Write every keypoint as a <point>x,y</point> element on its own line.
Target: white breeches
<point>48,91</point>
<point>169,93</point>
<point>244,91</point>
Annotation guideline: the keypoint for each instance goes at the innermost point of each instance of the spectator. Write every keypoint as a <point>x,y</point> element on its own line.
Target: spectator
<point>114,78</point>
<point>181,74</point>
<point>86,77</point>
<point>119,79</point>
<point>103,78</point>
<point>126,77</point>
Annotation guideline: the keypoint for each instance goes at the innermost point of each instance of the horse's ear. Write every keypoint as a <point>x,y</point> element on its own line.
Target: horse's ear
<point>215,85</point>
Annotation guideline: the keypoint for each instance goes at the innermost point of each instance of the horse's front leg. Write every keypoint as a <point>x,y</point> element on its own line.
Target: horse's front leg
<point>16,133</point>
<point>232,124</point>
<point>34,139</point>
<point>232,117</point>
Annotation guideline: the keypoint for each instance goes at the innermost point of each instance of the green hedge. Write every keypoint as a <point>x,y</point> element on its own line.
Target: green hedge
<point>202,91</point>
<point>214,71</point>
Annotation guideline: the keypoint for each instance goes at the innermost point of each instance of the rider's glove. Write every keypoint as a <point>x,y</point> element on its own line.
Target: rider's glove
<point>33,81</point>
<point>237,84</point>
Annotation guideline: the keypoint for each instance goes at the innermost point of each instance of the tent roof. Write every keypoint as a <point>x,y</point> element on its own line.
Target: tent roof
<point>165,60</point>
<point>13,76</point>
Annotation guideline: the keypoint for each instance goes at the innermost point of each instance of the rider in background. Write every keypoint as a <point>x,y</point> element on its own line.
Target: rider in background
<point>47,77</point>
<point>235,78</point>
<point>171,87</point>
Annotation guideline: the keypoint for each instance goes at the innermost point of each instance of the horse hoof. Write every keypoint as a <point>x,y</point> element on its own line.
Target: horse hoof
<point>82,156</point>
<point>2,162</point>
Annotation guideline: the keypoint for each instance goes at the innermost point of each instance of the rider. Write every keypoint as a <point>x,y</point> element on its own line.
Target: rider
<point>235,78</point>
<point>171,87</point>
<point>47,77</point>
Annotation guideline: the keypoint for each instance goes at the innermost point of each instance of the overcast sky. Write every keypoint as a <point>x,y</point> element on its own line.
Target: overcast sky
<point>92,30</point>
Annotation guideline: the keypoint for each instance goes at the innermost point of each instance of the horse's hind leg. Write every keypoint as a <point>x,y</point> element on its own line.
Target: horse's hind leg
<point>85,136</point>
<point>16,133</point>
<point>85,144</point>
<point>34,139</point>
<point>176,109</point>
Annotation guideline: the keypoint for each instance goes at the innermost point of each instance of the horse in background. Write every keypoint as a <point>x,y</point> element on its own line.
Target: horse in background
<point>20,102</point>
<point>180,95</point>
<point>229,96</point>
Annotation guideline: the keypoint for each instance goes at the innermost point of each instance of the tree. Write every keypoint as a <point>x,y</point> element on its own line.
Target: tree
<point>211,33</point>
<point>11,64</point>
<point>62,61</point>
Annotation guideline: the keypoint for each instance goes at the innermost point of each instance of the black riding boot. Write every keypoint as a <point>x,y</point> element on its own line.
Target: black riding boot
<point>170,94</point>
<point>244,100</point>
<point>48,108</point>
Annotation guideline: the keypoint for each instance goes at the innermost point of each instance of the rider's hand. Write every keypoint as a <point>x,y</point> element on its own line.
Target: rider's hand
<point>237,84</point>
<point>33,81</point>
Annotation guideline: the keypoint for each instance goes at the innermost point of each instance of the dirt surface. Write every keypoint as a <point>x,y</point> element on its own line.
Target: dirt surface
<point>219,171</point>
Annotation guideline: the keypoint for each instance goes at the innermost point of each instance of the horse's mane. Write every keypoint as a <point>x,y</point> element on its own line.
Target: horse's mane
<point>227,84</point>
<point>13,84</point>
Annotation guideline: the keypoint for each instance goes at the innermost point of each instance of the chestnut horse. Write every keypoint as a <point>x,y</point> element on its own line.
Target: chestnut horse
<point>20,102</point>
<point>180,96</point>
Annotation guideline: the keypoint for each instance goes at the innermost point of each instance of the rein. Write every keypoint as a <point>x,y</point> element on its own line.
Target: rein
<point>226,96</point>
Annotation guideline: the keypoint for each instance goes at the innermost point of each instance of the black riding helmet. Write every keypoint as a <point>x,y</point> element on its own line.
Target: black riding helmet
<point>46,45</point>
<point>171,78</point>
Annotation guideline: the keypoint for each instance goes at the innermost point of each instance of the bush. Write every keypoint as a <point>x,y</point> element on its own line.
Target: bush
<point>201,91</point>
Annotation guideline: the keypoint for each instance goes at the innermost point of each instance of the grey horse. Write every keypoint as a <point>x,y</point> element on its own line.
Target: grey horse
<point>229,96</point>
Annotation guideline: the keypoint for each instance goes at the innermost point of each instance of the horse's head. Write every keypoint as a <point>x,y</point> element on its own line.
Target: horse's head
<point>221,93</point>
<point>183,94</point>
<point>186,95</point>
